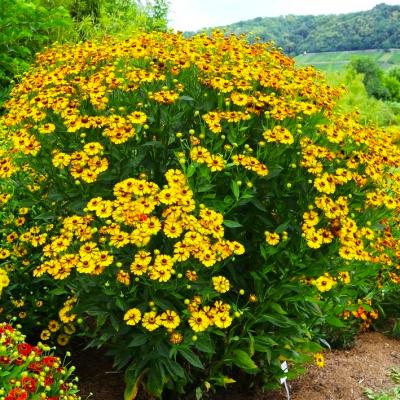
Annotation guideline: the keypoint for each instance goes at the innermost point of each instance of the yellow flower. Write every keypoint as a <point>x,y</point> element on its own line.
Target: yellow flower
<point>324,283</point>
<point>223,320</point>
<point>319,360</point>
<point>4,279</point>
<point>221,284</point>
<point>132,316</point>
<point>344,276</point>
<point>199,321</point>
<point>176,338</point>
<point>123,277</point>
<point>151,321</point>
<point>54,326</point>
<point>45,334</point>
<point>170,319</point>
<point>272,238</point>
<point>63,339</point>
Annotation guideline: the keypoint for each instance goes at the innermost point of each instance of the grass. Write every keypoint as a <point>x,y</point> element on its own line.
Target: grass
<point>337,60</point>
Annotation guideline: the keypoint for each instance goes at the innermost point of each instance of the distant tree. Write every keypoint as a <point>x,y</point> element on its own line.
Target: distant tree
<point>373,77</point>
<point>158,13</point>
<point>392,84</point>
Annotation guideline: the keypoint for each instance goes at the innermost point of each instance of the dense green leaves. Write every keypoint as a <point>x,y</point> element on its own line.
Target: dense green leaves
<point>26,26</point>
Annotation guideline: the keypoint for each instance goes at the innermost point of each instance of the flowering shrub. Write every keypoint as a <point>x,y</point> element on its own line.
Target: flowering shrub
<point>31,372</point>
<point>195,205</point>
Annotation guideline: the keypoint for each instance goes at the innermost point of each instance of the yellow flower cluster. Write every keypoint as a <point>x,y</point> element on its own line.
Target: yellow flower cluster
<point>4,279</point>
<point>203,317</point>
<point>169,319</point>
<point>86,164</point>
<point>278,134</point>
<point>202,156</point>
<point>7,167</point>
<point>250,163</point>
<point>65,314</point>
<point>130,219</point>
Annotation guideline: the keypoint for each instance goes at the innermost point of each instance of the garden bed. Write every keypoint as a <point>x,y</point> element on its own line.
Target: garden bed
<point>345,375</point>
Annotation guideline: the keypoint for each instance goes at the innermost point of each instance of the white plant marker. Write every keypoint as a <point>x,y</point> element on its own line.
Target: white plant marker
<point>285,368</point>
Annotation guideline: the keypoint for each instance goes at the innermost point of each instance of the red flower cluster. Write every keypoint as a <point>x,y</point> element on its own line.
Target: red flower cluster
<point>16,353</point>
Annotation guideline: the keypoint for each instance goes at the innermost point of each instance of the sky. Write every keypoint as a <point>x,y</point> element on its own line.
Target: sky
<point>192,15</point>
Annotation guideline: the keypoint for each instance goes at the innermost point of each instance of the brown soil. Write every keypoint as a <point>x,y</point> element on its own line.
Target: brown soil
<point>345,375</point>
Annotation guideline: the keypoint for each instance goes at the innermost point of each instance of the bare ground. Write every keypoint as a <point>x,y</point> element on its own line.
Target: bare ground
<point>345,375</point>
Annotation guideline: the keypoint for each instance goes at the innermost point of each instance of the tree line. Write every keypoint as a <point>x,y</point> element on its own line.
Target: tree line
<point>378,28</point>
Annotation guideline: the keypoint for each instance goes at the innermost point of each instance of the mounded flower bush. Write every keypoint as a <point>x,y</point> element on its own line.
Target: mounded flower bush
<point>32,372</point>
<point>197,206</point>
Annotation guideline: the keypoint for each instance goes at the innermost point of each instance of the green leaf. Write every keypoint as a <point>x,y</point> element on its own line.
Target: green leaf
<point>186,98</point>
<point>277,320</point>
<point>278,308</point>
<point>331,320</point>
<point>173,368</point>
<point>257,203</point>
<point>205,188</point>
<point>205,345</point>
<point>115,322</point>
<point>138,340</point>
<point>232,224</point>
<point>275,172</point>
<point>235,190</point>
<point>120,304</point>
<point>58,291</point>
<point>156,380</point>
<point>243,360</point>
<point>133,378</point>
<point>190,170</point>
<point>199,393</point>
<point>191,358</point>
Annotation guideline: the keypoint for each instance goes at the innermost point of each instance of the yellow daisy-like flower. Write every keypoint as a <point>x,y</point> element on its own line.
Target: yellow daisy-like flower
<point>344,276</point>
<point>272,238</point>
<point>54,326</point>
<point>151,321</point>
<point>132,316</point>
<point>170,319</point>
<point>319,360</point>
<point>63,339</point>
<point>45,334</point>
<point>324,283</point>
<point>223,320</point>
<point>221,284</point>
<point>199,321</point>
<point>4,279</point>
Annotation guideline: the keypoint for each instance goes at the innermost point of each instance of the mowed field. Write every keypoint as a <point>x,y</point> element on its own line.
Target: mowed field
<point>337,60</point>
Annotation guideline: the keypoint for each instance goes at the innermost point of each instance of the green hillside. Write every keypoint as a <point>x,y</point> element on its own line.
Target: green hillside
<point>378,28</point>
<point>337,60</point>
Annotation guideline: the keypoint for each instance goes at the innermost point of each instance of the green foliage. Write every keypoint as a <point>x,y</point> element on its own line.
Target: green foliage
<point>372,77</point>
<point>378,28</point>
<point>26,27</point>
<point>371,110</point>
<point>100,18</point>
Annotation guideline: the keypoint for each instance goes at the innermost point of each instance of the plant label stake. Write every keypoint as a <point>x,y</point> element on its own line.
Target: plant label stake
<point>285,368</point>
